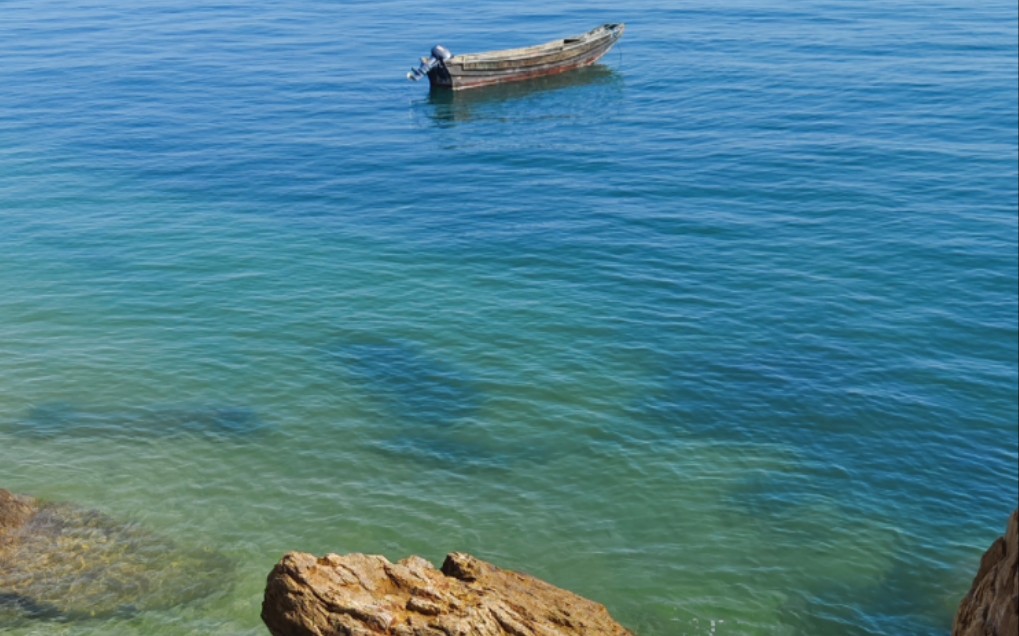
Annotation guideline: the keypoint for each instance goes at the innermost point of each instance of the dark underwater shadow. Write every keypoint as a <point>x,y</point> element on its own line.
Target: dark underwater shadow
<point>18,609</point>
<point>410,385</point>
<point>905,600</point>
<point>447,108</point>
<point>423,408</point>
<point>61,419</point>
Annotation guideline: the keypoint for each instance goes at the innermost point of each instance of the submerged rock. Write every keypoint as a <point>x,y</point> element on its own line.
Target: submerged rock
<point>992,606</point>
<point>363,595</point>
<point>61,562</point>
<point>15,510</point>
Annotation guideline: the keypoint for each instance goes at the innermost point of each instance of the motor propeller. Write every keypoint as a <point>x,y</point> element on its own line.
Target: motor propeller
<point>440,55</point>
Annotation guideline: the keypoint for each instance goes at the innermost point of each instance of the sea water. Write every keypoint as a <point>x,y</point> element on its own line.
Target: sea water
<point>721,333</point>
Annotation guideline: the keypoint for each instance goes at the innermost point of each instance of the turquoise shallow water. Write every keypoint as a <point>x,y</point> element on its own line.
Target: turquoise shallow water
<point>721,333</point>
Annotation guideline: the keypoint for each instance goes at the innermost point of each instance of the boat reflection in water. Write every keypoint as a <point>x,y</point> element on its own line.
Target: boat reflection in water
<point>452,107</point>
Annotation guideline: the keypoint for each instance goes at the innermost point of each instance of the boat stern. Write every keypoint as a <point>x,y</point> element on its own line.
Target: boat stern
<point>433,67</point>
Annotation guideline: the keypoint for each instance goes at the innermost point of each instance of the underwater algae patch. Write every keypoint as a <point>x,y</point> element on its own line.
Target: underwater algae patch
<point>60,419</point>
<point>62,562</point>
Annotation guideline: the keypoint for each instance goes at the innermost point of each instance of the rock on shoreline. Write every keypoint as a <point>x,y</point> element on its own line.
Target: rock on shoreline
<point>362,595</point>
<point>992,606</point>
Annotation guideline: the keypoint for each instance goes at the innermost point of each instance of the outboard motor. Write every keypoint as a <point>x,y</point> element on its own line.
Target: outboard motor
<point>440,54</point>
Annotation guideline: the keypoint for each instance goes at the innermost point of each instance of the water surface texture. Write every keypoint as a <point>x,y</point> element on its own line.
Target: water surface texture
<point>721,333</point>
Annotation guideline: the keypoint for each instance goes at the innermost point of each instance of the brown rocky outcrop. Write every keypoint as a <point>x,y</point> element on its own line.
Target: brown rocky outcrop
<point>60,561</point>
<point>362,595</point>
<point>15,510</point>
<point>992,606</point>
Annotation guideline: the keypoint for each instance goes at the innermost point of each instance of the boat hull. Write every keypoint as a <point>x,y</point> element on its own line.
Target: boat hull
<point>462,72</point>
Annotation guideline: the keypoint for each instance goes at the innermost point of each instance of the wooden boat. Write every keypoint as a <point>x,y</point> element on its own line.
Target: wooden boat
<point>458,72</point>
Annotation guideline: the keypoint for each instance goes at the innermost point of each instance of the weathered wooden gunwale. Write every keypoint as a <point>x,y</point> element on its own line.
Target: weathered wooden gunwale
<point>495,67</point>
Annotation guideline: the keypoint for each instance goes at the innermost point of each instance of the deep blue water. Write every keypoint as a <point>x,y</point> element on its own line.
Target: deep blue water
<point>721,333</point>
